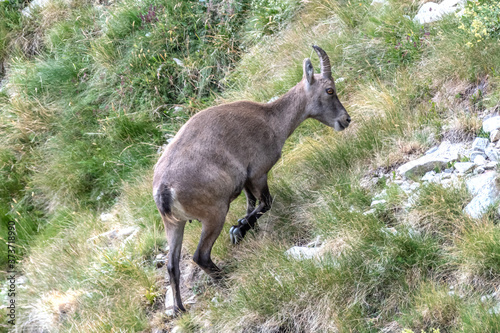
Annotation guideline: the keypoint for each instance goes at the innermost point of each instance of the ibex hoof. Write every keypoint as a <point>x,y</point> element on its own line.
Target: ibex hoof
<point>242,221</point>
<point>236,234</point>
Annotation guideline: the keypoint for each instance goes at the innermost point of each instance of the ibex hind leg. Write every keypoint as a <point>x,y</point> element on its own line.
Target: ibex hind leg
<point>175,234</point>
<point>210,230</point>
<point>238,232</point>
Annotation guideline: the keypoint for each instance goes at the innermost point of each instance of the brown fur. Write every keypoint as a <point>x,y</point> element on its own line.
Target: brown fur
<point>229,148</point>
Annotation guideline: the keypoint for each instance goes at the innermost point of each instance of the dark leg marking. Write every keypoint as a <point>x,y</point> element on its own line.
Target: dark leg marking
<point>238,232</point>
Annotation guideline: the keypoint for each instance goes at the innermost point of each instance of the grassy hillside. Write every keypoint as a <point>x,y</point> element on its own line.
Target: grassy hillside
<point>91,91</point>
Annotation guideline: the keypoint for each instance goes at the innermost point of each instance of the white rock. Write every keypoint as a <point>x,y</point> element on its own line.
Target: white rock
<point>302,252</point>
<point>414,186</point>
<point>495,135</point>
<point>486,193</point>
<point>177,329</point>
<point>495,309</point>
<point>275,98</point>
<point>479,160</point>
<point>389,231</point>
<point>474,154</point>
<point>464,167</point>
<point>491,124</point>
<point>491,166</point>
<point>178,109</point>
<point>479,170</point>
<point>486,298</point>
<point>378,202</point>
<point>379,2</point>
<point>169,299</point>
<point>178,62</point>
<point>428,176</point>
<point>429,12</point>
<point>476,183</point>
<point>492,154</point>
<point>369,212</point>
<point>439,158</point>
<point>445,175</point>
<point>33,4</point>
<point>106,217</point>
<point>430,151</point>
<point>110,234</point>
<point>125,232</point>
<point>480,144</point>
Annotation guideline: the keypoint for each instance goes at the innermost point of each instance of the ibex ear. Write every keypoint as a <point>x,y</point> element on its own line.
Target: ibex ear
<point>308,71</point>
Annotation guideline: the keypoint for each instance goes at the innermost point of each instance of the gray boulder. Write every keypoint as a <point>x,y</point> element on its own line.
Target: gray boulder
<point>485,192</point>
<point>446,152</point>
<point>491,124</point>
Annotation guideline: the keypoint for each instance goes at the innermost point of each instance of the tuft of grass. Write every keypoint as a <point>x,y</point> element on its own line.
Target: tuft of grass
<point>439,210</point>
<point>433,307</point>
<point>478,249</point>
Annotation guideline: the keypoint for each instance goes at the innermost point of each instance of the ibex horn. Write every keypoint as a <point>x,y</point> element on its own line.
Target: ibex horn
<point>326,69</point>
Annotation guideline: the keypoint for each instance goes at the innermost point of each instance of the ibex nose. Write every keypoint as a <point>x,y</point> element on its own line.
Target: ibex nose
<point>348,119</point>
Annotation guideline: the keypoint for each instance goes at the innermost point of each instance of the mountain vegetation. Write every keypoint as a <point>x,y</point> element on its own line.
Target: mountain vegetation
<point>90,91</point>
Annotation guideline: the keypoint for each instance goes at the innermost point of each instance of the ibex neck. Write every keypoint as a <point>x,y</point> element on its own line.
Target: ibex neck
<point>288,112</point>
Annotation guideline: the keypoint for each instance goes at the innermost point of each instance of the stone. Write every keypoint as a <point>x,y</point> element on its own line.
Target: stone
<point>479,160</point>
<point>177,329</point>
<point>446,176</point>
<point>378,202</point>
<point>490,166</point>
<point>302,252</point>
<point>370,212</point>
<point>105,217</point>
<point>430,151</point>
<point>446,152</point>
<point>178,109</point>
<point>491,124</point>
<point>485,192</point>
<point>33,4</point>
<point>379,2</point>
<point>178,62</point>
<point>464,167</point>
<point>476,153</point>
<point>414,186</point>
<point>476,183</point>
<point>428,176</point>
<point>495,135</point>
<point>169,299</point>
<point>486,298</point>
<point>125,232</point>
<point>479,170</point>
<point>492,154</point>
<point>275,98</point>
<point>389,231</point>
<point>480,144</point>
<point>495,310</point>
<point>431,12</point>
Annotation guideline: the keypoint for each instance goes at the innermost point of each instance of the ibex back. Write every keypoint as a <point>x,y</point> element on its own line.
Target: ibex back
<point>229,148</point>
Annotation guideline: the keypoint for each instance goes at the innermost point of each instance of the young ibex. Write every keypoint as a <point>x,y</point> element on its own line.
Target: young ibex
<point>229,148</point>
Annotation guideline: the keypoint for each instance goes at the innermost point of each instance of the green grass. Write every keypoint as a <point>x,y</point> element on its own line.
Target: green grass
<point>91,95</point>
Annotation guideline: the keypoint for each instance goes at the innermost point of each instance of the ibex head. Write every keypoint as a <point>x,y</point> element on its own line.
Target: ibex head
<point>323,105</point>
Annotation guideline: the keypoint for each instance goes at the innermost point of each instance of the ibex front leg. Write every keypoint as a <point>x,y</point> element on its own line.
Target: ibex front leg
<point>237,232</point>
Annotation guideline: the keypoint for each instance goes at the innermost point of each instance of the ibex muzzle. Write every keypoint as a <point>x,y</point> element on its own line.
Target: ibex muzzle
<point>230,148</point>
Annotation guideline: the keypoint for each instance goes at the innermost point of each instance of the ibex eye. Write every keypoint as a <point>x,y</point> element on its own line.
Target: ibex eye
<point>329,91</point>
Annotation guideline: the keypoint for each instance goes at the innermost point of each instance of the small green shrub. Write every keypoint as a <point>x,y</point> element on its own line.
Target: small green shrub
<point>481,20</point>
<point>269,16</point>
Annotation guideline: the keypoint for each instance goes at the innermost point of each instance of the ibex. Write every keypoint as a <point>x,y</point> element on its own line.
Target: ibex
<point>229,148</point>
